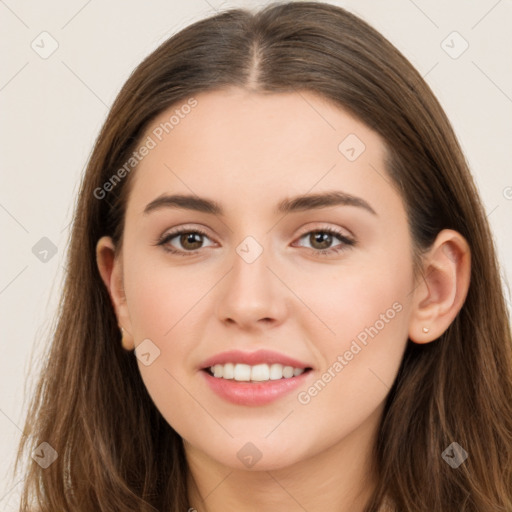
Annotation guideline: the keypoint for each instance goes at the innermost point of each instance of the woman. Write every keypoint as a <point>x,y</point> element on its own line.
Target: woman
<point>370,369</point>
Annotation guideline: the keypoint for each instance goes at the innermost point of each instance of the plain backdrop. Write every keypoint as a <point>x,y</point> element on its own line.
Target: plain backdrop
<point>53,107</point>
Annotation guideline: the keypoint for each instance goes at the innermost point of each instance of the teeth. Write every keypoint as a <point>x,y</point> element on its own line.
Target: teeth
<point>276,371</point>
<point>257,373</point>
<point>242,372</point>
<point>260,372</point>
<point>228,372</point>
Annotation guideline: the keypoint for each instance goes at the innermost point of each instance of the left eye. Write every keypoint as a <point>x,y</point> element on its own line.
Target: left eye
<point>322,239</point>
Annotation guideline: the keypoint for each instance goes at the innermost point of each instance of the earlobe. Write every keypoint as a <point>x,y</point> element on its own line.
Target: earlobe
<point>443,287</point>
<point>110,269</point>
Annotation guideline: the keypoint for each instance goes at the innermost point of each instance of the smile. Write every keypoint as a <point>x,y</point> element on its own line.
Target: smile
<point>258,373</point>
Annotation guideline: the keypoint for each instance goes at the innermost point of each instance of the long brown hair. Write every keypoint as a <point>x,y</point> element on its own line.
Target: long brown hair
<point>115,450</point>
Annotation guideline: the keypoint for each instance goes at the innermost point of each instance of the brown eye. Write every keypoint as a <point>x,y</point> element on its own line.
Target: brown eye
<point>191,241</point>
<point>320,240</point>
<point>184,241</point>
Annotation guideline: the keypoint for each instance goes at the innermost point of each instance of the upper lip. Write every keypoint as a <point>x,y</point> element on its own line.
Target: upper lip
<point>253,358</point>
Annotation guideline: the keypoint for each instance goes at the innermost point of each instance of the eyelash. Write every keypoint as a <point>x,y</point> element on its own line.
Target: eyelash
<point>347,243</point>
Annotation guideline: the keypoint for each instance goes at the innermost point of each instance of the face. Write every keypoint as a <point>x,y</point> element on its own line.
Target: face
<point>321,285</point>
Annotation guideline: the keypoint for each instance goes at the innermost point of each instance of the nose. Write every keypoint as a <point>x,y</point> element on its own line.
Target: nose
<point>251,296</point>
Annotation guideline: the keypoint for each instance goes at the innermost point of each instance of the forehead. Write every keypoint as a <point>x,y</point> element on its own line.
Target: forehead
<point>247,146</point>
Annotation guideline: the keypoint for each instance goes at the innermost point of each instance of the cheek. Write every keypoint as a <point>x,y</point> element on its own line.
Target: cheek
<point>347,300</point>
<point>160,296</point>
<point>163,304</point>
<point>160,302</point>
<point>360,331</point>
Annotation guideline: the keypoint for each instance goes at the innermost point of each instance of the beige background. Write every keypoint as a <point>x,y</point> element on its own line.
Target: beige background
<point>53,108</point>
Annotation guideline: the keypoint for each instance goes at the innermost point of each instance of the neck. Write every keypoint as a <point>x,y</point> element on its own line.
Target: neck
<point>338,478</point>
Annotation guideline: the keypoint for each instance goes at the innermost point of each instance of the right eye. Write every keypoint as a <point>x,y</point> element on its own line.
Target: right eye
<point>189,239</point>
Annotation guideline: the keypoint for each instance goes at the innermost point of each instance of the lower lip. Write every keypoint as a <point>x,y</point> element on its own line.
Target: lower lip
<point>253,393</point>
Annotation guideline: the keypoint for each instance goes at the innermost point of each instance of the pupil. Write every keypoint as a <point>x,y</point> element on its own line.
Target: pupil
<point>324,239</point>
<point>192,238</point>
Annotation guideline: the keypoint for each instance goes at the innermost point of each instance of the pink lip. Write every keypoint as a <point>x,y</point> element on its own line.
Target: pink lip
<point>253,393</point>
<point>253,358</point>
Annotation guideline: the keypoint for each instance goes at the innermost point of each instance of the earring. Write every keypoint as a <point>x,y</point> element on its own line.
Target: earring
<point>426,329</point>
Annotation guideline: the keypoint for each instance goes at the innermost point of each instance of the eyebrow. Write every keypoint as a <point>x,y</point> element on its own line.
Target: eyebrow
<point>288,205</point>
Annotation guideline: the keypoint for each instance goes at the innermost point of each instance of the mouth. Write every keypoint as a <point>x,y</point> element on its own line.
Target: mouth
<point>258,373</point>
<point>254,378</point>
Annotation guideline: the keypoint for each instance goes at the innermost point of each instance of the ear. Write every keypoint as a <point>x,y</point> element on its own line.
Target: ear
<point>110,268</point>
<point>443,287</point>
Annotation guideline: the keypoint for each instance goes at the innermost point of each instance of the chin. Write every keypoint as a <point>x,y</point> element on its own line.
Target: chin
<point>258,455</point>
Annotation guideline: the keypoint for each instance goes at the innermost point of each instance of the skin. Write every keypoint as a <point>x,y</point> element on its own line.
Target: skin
<point>248,152</point>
